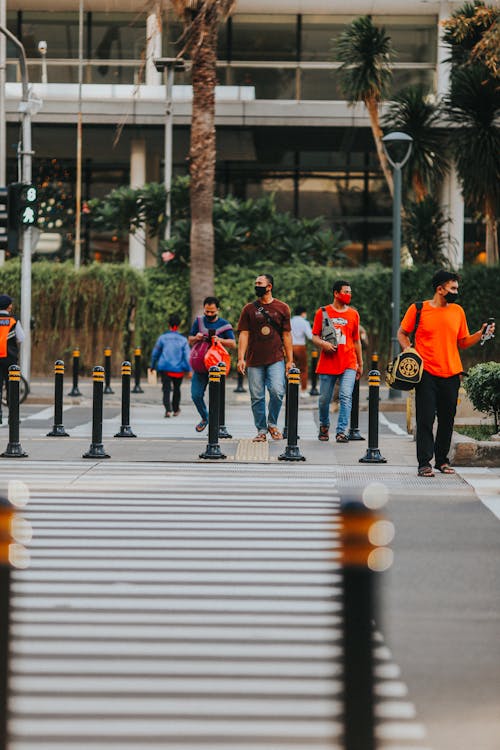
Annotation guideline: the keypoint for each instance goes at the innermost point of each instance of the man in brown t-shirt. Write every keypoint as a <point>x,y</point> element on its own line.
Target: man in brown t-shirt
<point>265,342</point>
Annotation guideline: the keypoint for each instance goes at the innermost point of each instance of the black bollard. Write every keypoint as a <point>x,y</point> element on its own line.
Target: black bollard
<point>223,433</point>
<point>14,533</point>
<point>75,391</point>
<point>239,388</point>
<point>364,553</point>
<point>292,451</point>
<point>354,433</point>
<point>373,455</point>
<point>58,427</point>
<point>107,371</point>
<point>96,449</point>
<point>14,448</point>
<point>285,428</point>
<point>125,429</point>
<point>6,522</point>
<point>137,371</point>
<point>314,375</point>
<point>213,448</point>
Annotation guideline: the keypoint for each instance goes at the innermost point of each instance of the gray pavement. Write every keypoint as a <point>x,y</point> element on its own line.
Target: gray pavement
<point>438,625</point>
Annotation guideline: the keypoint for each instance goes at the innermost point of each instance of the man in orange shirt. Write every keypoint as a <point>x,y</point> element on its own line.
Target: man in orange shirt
<point>343,361</point>
<point>441,332</point>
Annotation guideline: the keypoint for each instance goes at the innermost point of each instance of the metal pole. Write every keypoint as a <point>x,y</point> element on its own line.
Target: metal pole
<point>3,124</point>
<point>396,260</point>
<point>168,147</point>
<point>78,212</point>
<point>213,448</point>
<point>26,154</point>
<point>373,455</point>
<point>292,450</point>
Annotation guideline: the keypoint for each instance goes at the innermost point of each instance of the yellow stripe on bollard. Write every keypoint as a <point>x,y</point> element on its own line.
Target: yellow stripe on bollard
<point>137,352</point>
<point>107,352</point>
<point>126,370</point>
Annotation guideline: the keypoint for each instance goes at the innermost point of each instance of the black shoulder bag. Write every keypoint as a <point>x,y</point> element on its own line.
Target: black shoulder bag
<point>405,370</point>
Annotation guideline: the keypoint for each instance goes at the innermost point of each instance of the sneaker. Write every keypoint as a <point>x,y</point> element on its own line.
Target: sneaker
<point>304,394</point>
<point>168,414</point>
<point>324,434</point>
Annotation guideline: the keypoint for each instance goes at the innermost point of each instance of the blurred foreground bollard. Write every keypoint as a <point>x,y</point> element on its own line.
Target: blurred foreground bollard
<point>125,429</point>
<point>14,531</point>
<point>107,371</point>
<point>364,535</point>
<point>314,376</point>
<point>96,449</point>
<point>373,455</point>
<point>14,448</point>
<point>213,448</point>
<point>223,433</point>
<point>239,388</point>
<point>137,371</point>
<point>292,451</point>
<point>354,433</point>
<point>58,427</point>
<point>75,391</point>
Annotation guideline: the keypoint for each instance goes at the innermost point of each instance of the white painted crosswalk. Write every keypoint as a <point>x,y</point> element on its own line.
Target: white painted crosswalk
<point>188,608</point>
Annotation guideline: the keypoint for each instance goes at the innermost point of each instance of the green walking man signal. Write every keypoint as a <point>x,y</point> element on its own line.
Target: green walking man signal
<point>23,205</point>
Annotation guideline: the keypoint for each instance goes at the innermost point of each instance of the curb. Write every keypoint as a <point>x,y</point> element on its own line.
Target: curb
<point>466,451</point>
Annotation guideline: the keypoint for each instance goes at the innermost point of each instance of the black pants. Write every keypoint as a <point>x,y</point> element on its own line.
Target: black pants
<point>435,396</point>
<point>168,384</point>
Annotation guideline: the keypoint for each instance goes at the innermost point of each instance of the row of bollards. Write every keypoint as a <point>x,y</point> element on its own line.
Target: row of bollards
<point>75,390</point>
<point>216,423</point>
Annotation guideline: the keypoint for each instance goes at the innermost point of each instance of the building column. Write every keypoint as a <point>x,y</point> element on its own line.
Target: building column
<point>153,46</point>
<point>452,202</point>
<point>137,242</point>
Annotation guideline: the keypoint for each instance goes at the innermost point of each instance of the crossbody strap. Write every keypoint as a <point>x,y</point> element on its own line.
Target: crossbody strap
<point>419,306</point>
<point>270,320</point>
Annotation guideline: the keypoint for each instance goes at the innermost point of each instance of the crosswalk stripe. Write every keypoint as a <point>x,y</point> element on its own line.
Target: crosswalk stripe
<point>180,612</point>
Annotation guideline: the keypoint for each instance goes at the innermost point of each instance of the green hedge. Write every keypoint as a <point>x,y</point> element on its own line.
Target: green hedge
<point>114,305</point>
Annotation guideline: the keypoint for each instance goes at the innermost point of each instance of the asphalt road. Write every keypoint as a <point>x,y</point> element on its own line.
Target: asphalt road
<point>440,613</point>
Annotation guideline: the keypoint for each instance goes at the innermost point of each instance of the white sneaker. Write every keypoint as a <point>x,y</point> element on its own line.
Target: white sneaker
<point>304,394</point>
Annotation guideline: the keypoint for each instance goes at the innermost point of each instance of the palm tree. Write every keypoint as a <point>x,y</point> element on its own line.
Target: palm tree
<point>473,108</point>
<point>201,19</point>
<point>414,112</point>
<point>365,52</point>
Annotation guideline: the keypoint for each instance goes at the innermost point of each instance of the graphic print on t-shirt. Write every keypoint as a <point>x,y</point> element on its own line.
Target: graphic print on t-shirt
<point>339,325</point>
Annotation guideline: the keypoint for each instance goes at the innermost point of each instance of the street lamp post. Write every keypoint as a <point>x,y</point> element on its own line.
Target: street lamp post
<point>169,65</point>
<point>397,147</point>
<point>26,107</point>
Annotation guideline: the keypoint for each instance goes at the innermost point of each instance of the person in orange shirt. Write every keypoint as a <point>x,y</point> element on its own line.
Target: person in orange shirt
<point>342,362</point>
<point>441,332</point>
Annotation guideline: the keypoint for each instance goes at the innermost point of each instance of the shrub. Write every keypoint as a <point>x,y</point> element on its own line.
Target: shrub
<point>482,386</point>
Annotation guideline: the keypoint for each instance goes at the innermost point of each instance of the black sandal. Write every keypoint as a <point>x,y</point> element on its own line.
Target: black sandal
<point>446,469</point>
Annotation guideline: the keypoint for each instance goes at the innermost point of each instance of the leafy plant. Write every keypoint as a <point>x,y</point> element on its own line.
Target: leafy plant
<point>424,231</point>
<point>482,386</point>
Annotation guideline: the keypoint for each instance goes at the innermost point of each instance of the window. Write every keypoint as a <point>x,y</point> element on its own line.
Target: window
<point>264,37</point>
<point>59,30</point>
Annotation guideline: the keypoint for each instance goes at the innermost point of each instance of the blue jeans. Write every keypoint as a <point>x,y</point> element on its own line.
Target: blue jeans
<point>326,385</point>
<point>271,377</point>
<point>199,384</point>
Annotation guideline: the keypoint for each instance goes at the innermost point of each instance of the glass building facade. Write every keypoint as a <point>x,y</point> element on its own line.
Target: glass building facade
<point>313,170</point>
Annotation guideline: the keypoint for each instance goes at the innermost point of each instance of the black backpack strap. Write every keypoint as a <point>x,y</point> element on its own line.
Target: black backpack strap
<point>270,320</point>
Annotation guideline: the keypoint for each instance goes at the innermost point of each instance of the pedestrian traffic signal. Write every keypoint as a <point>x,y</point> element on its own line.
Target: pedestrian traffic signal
<point>4,219</point>
<point>23,205</point>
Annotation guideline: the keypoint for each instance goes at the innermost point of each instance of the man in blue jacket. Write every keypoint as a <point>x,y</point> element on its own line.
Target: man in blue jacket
<point>170,358</point>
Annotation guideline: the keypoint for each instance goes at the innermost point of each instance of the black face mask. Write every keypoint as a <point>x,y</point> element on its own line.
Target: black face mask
<point>451,297</point>
<point>211,317</point>
<point>260,291</point>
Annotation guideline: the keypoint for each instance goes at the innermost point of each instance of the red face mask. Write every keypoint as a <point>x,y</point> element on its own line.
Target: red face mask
<point>345,298</point>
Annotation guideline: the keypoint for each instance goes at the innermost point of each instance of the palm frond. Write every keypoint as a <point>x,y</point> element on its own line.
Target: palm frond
<point>365,52</point>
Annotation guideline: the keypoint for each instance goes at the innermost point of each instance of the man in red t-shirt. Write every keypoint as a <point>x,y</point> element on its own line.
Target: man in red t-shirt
<point>265,341</point>
<point>441,332</point>
<point>342,361</point>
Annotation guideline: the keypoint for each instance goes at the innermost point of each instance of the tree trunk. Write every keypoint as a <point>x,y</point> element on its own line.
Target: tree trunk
<point>372,107</point>
<point>202,162</point>
<point>491,235</point>
<point>418,187</point>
